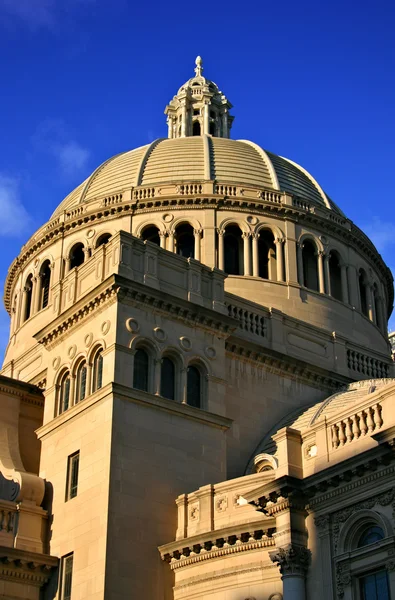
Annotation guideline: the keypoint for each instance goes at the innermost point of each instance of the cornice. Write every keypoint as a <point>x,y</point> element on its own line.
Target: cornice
<point>261,568</point>
<point>299,210</point>
<point>26,567</point>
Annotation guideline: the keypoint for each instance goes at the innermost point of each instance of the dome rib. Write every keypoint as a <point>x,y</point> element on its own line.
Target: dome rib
<point>90,179</point>
<point>267,162</point>
<point>313,181</point>
<point>143,161</point>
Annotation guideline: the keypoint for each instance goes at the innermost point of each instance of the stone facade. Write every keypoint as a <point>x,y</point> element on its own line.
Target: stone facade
<point>180,321</point>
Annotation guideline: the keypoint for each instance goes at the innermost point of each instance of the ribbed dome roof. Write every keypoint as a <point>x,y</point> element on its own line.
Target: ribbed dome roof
<point>200,158</point>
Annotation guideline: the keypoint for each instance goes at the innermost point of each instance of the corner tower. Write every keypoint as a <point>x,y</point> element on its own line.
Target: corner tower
<point>199,108</point>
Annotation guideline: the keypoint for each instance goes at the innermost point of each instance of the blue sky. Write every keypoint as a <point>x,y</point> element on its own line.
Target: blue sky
<point>85,79</point>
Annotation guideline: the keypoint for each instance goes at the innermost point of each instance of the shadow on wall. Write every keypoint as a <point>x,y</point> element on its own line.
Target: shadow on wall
<point>49,591</point>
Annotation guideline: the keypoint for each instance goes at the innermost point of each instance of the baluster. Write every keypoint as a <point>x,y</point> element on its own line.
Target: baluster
<point>355,426</point>
<point>378,421</point>
<point>335,436</point>
<point>342,437</point>
<point>369,420</point>
<point>349,359</point>
<point>2,520</point>
<point>349,434</point>
<point>362,423</point>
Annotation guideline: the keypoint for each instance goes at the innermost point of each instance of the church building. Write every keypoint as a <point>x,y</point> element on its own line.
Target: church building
<point>197,397</point>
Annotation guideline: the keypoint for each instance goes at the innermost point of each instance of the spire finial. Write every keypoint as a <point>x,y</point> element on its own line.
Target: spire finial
<point>199,66</point>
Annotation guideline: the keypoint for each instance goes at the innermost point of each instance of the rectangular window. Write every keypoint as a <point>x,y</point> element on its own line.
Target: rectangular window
<point>66,575</point>
<point>375,586</point>
<point>73,462</point>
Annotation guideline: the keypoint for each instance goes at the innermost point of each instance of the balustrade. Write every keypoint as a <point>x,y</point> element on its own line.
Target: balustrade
<point>358,425</point>
<point>226,190</point>
<point>144,193</point>
<point>248,321</point>
<point>372,367</point>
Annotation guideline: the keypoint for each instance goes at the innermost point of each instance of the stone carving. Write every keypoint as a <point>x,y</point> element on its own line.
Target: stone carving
<point>210,352</point>
<point>322,522</point>
<point>159,334</point>
<point>185,343</point>
<point>88,339</point>
<point>105,328</point>
<point>132,325</point>
<point>292,560</point>
<point>343,578</point>
<point>221,503</point>
<point>72,351</point>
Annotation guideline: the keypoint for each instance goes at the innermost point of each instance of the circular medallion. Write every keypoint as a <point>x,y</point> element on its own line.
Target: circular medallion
<point>167,217</point>
<point>88,339</point>
<point>72,351</point>
<point>105,328</point>
<point>56,362</point>
<point>132,325</point>
<point>185,343</point>
<point>210,352</point>
<point>252,220</point>
<point>159,334</point>
<point>90,233</point>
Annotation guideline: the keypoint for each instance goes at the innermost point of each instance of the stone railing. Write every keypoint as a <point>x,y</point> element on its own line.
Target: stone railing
<point>300,203</point>
<point>360,424</point>
<point>248,320</point>
<point>190,189</point>
<point>8,523</point>
<point>111,200</point>
<point>269,196</point>
<point>366,365</point>
<point>75,212</point>
<point>225,190</point>
<point>144,193</point>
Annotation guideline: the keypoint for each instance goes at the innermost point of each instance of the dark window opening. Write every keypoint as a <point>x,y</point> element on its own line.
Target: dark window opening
<point>77,256</point>
<point>103,239</point>
<point>370,535</point>
<point>66,571</point>
<point>64,393</point>
<point>28,298</point>
<point>168,379</point>
<point>97,371</point>
<point>196,112</point>
<point>73,463</point>
<point>363,293</point>
<point>212,114</point>
<point>194,387</point>
<point>185,240</point>
<point>140,371</point>
<point>212,129</point>
<point>45,276</point>
<point>151,234</point>
<point>310,266</point>
<point>233,249</point>
<point>375,586</point>
<point>81,383</point>
<point>335,276</point>
<point>267,255</point>
<point>196,128</point>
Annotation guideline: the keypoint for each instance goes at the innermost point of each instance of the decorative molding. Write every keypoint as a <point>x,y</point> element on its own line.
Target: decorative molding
<point>292,560</point>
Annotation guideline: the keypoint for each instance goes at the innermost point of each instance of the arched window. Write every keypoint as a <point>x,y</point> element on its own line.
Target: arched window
<point>103,239</point>
<point>363,292</point>
<point>194,387</point>
<point>233,249</point>
<point>141,370</point>
<point>370,535</point>
<point>64,392</point>
<point>97,373</point>
<point>45,278</point>
<point>28,291</point>
<point>80,382</point>
<point>377,306</point>
<point>212,129</point>
<point>185,240</point>
<point>151,234</point>
<point>335,275</point>
<point>196,128</point>
<point>310,266</point>
<point>168,379</point>
<point>267,255</point>
<point>77,255</point>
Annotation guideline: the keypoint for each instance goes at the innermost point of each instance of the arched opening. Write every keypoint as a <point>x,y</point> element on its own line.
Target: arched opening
<point>151,234</point>
<point>212,129</point>
<point>97,374</point>
<point>80,382</point>
<point>103,239</point>
<point>64,392</point>
<point>194,387</point>
<point>77,255</point>
<point>267,255</point>
<point>335,275</point>
<point>370,534</point>
<point>233,250</point>
<point>168,379</point>
<point>141,370</point>
<point>363,292</point>
<point>45,277</point>
<point>377,307</point>
<point>28,291</point>
<point>310,265</point>
<point>196,128</point>
<point>185,240</point>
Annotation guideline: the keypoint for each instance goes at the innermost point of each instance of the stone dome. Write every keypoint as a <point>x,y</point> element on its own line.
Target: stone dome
<point>198,159</point>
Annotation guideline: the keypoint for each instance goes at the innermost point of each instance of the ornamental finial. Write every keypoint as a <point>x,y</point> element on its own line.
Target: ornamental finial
<point>199,66</point>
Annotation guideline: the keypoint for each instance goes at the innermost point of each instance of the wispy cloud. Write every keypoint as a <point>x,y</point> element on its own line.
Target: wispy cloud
<point>382,233</point>
<point>53,137</point>
<point>15,220</point>
<point>38,14</point>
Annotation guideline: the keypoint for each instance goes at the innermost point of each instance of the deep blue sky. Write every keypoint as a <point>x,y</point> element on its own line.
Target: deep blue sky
<point>85,79</point>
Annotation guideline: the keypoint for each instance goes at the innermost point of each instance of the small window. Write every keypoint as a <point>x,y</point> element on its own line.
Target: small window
<point>45,276</point>
<point>370,535</point>
<point>28,291</point>
<point>196,112</point>
<point>73,463</point>
<point>66,574</point>
<point>196,128</point>
<point>168,379</point>
<point>77,256</point>
<point>194,387</point>
<point>80,389</point>
<point>64,392</point>
<point>97,371</point>
<point>151,234</point>
<point>140,370</point>
<point>375,586</point>
<point>103,239</point>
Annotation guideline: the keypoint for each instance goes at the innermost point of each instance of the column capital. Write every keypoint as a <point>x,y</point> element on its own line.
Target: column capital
<point>300,245</point>
<point>197,231</point>
<point>255,235</point>
<point>292,560</point>
<point>221,232</point>
<point>320,253</point>
<point>246,235</point>
<point>279,240</point>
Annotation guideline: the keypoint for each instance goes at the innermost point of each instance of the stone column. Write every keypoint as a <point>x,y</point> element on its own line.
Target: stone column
<point>197,233</point>
<point>157,375</point>
<point>87,253</point>
<point>221,254</point>
<point>321,283</point>
<point>37,287</point>
<point>67,263</point>
<point>25,293</point>
<point>343,272</point>
<point>170,126</point>
<point>162,238</point>
<point>255,255</point>
<point>369,298</point>
<point>327,274</point>
<point>170,242</point>
<point>299,250</point>
<point>225,132</point>
<point>280,258</point>
<point>206,119</point>
<point>183,385</point>
<point>293,562</point>
<point>184,119</point>
<point>354,287</point>
<point>322,524</point>
<point>247,253</point>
